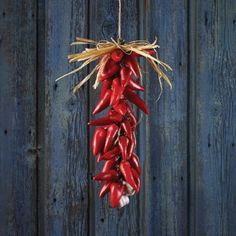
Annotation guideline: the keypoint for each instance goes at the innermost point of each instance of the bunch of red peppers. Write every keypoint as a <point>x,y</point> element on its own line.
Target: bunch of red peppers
<point>114,139</point>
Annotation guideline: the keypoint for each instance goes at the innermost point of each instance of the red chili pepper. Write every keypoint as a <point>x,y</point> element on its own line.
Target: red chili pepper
<point>117,55</point>
<point>123,145</point>
<point>105,189</point>
<point>101,121</point>
<point>135,86</point>
<point>125,75</point>
<point>136,178</point>
<point>126,126</point>
<point>109,164</point>
<point>133,65</point>
<point>132,144</point>
<point>107,120</point>
<point>135,163</point>
<point>121,107</point>
<point>103,103</point>
<point>106,84</point>
<point>134,98</point>
<point>110,111</point>
<point>108,64</point>
<point>99,158</point>
<point>110,69</point>
<point>132,118</point>
<point>116,91</point>
<point>111,135</point>
<point>98,141</point>
<point>116,117</point>
<point>150,52</point>
<point>111,154</point>
<point>116,192</point>
<point>110,175</point>
<point>126,171</point>
<point>134,54</point>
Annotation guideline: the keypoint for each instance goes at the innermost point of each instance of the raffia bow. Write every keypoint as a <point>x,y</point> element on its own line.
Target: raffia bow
<point>102,51</point>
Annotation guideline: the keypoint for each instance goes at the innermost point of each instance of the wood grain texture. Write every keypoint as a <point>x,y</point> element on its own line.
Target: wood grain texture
<point>103,25</point>
<point>163,141</point>
<point>187,145</point>
<point>18,117</point>
<point>64,159</point>
<point>213,91</point>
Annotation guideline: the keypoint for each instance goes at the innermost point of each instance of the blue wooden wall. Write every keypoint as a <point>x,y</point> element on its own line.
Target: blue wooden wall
<point>187,145</point>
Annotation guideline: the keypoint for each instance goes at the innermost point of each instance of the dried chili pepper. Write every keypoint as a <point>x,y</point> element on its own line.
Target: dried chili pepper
<point>132,118</point>
<point>150,52</point>
<point>99,158</point>
<point>117,117</point>
<point>123,145</point>
<point>136,178</point>
<point>135,86</point>
<point>116,91</point>
<point>116,192</point>
<point>125,75</point>
<point>126,171</point>
<point>101,121</point>
<point>132,144</point>
<point>103,103</point>
<point>111,68</point>
<point>111,154</point>
<point>106,84</point>
<point>126,126</point>
<point>110,175</point>
<point>105,189</point>
<point>117,55</point>
<point>109,164</point>
<point>135,163</point>
<point>108,64</point>
<point>133,65</point>
<point>134,98</point>
<point>107,120</point>
<point>99,139</point>
<point>134,54</point>
<point>121,107</point>
<point>111,134</point>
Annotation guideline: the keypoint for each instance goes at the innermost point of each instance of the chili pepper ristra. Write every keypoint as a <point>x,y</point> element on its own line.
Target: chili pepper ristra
<point>114,140</point>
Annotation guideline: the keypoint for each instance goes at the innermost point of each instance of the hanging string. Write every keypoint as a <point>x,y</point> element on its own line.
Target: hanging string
<point>119,21</point>
<point>103,49</point>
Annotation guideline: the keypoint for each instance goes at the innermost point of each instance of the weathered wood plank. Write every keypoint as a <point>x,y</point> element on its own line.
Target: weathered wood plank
<point>103,25</point>
<point>68,199</point>
<point>163,136</point>
<point>18,117</point>
<point>64,159</point>
<point>213,119</point>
